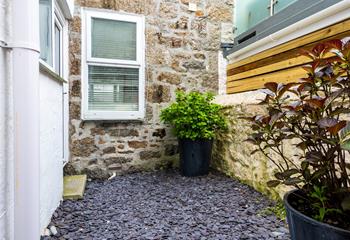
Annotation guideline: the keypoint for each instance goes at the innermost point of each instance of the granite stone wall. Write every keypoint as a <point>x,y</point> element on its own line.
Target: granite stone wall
<point>182,52</point>
<point>233,156</point>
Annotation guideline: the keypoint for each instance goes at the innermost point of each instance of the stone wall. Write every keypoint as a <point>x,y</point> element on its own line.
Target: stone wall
<point>232,155</point>
<point>182,50</point>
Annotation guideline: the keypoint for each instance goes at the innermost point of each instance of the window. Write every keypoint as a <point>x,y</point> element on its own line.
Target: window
<point>257,19</point>
<point>45,12</point>
<point>51,37</point>
<point>58,48</point>
<point>113,66</point>
<point>251,12</point>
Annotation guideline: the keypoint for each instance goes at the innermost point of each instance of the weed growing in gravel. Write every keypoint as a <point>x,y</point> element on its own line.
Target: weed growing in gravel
<point>278,210</point>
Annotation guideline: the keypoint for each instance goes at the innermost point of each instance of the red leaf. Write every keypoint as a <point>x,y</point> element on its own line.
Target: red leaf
<point>272,86</point>
<point>306,53</point>
<point>318,49</point>
<point>266,120</point>
<point>337,127</point>
<point>327,122</point>
<point>285,88</point>
<point>315,64</point>
<point>334,59</point>
<point>346,49</point>
<point>315,103</point>
<point>304,87</point>
<point>334,44</point>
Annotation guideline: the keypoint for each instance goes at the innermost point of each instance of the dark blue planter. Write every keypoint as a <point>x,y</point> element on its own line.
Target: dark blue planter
<point>302,227</point>
<point>195,156</point>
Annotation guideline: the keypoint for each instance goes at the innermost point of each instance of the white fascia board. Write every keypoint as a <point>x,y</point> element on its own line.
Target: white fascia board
<point>67,7</point>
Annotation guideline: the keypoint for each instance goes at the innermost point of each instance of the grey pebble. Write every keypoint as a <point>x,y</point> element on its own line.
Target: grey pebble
<point>165,205</point>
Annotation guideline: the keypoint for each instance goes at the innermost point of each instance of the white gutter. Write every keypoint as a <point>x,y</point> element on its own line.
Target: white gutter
<point>25,44</point>
<point>331,15</point>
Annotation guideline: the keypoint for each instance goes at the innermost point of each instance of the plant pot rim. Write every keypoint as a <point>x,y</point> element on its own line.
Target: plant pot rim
<point>307,218</point>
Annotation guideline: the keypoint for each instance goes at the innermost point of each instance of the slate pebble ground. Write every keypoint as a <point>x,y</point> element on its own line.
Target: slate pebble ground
<point>165,205</point>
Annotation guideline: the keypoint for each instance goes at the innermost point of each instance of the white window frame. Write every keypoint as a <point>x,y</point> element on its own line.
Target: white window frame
<point>58,19</point>
<point>87,60</point>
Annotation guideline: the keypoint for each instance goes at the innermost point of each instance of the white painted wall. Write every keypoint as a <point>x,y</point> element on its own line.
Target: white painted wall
<point>24,143</point>
<point>54,130</point>
<point>51,147</point>
<point>6,129</point>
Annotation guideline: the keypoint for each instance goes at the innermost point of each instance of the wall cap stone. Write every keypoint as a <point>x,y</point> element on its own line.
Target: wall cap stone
<point>251,97</point>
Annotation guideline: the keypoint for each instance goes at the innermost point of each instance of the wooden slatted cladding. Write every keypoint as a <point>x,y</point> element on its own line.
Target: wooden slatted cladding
<point>281,63</point>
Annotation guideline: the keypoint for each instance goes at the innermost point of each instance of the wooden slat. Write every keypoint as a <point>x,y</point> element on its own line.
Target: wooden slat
<point>270,68</point>
<point>285,76</point>
<point>293,62</point>
<point>310,38</point>
<point>281,56</point>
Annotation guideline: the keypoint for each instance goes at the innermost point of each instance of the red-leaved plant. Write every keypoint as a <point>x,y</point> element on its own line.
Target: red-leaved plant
<point>313,114</point>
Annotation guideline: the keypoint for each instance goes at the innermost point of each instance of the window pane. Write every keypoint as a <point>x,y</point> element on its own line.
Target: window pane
<point>282,4</point>
<point>248,13</point>
<point>113,88</point>
<point>113,39</point>
<point>45,14</point>
<point>57,50</point>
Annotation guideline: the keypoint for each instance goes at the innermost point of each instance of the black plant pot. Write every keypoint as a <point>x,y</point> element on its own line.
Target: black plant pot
<point>195,156</point>
<point>302,227</point>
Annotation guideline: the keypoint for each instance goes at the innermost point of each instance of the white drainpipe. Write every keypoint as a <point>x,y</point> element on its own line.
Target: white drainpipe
<point>25,50</point>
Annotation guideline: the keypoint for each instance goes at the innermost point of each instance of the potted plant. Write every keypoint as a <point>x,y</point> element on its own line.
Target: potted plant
<point>313,114</point>
<point>194,119</point>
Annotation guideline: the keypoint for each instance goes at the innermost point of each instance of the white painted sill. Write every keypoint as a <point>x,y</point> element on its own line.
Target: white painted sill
<point>45,69</point>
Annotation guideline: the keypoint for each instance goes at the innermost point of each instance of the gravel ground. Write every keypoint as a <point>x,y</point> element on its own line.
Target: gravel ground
<point>164,205</point>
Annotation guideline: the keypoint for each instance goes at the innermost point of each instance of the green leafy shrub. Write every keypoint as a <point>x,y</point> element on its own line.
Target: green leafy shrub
<point>194,116</point>
<point>314,113</point>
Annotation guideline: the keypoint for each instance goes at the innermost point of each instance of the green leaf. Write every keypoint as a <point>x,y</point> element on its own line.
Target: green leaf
<point>304,165</point>
<point>345,145</point>
<point>279,176</point>
<point>345,132</point>
<point>290,172</point>
<point>319,173</point>
<point>292,181</point>
<point>273,183</point>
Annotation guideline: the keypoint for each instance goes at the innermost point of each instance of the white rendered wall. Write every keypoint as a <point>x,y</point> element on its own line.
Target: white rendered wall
<point>51,147</point>
<point>6,129</point>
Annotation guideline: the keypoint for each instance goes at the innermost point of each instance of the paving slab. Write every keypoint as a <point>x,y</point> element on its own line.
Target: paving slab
<point>74,186</point>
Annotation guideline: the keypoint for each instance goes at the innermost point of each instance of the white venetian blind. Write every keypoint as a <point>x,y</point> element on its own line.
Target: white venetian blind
<point>113,39</point>
<point>113,88</point>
